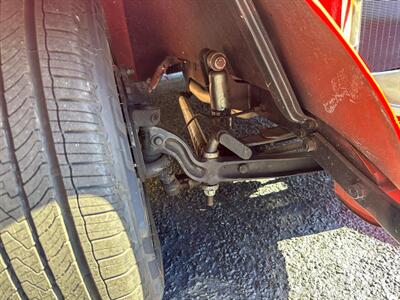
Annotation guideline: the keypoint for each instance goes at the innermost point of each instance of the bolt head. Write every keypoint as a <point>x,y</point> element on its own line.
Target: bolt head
<point>220,63</point>
<point>216,61</point>
<point>158,141</point>
<point>243,169</point>
<point>209,193</point>
<point>210,190</point>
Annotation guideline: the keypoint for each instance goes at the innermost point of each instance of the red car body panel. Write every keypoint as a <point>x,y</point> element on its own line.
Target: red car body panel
<point>120,43</point>
<point>333,83</point>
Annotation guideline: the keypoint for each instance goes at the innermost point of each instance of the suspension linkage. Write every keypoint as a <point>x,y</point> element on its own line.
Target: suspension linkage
<point>226,169</point>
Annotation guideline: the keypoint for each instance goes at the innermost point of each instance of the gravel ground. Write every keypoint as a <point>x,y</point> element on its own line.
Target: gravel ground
<point>282,238</point>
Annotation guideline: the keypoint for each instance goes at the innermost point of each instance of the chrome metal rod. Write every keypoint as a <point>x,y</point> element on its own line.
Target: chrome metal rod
<point>196,133</point>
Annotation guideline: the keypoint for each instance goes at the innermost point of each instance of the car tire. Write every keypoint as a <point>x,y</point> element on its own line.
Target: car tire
<point>73,217</point>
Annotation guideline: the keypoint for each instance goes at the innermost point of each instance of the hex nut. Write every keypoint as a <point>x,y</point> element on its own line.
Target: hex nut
<point>210,190</point>
<point>158,141</point>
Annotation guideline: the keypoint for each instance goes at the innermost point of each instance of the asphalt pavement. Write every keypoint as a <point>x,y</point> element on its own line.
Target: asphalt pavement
<point>280,238</point>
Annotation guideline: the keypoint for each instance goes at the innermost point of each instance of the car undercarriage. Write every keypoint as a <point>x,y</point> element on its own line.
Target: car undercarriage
<point>79,134</point>
<point>262,70</point>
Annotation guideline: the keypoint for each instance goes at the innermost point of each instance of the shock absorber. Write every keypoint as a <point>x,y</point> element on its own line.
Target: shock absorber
<point>219,104</point>
<point>218,83</point>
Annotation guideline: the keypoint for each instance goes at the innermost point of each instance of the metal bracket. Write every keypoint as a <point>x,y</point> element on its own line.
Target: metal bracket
<point>145,116</point>
<point>381,206</point>
<point>140,117</point>
<point>131,128</point>
<point>268,61</point>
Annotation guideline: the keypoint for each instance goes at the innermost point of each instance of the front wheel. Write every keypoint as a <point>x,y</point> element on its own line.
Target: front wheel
<point>73,219</point>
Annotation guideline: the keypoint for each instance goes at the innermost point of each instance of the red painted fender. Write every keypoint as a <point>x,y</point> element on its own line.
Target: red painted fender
<point>334,84</point>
